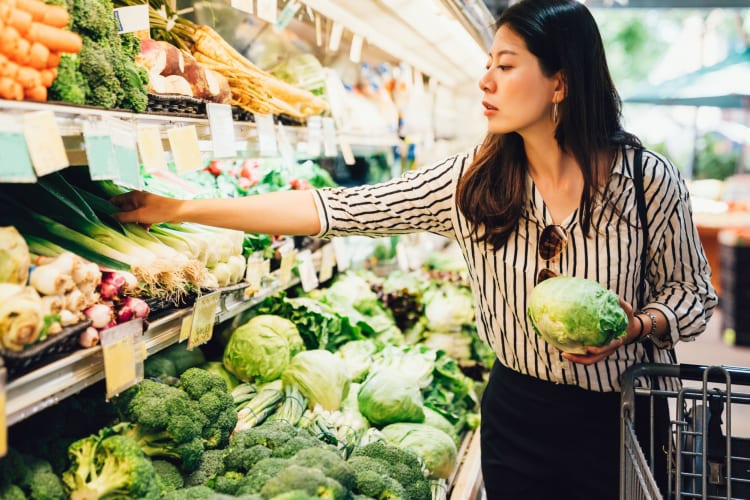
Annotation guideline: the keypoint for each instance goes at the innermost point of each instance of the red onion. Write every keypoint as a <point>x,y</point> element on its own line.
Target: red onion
<point>89,337</point>
<point>132,308</point>
<point>100,315</point>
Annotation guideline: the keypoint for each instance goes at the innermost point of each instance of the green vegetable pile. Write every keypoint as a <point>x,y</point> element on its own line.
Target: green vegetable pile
<point>572,313</point>
<point>104,73</point>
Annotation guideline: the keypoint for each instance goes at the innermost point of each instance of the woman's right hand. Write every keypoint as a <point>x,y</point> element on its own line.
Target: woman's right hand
<point>146,208</point>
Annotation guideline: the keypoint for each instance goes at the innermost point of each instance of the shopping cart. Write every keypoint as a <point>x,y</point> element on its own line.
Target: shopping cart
<point>703,458</point>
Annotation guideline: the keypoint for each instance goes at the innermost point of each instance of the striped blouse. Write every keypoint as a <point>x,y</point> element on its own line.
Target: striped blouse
<point>678,274</point>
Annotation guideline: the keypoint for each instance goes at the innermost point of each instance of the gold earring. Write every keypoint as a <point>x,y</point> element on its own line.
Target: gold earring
<point>555,113</point>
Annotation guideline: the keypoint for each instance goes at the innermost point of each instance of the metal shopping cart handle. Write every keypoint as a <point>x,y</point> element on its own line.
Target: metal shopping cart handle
<point>737,375</point>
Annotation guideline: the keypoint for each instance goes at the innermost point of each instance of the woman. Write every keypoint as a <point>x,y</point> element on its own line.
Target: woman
<point>551,188</point>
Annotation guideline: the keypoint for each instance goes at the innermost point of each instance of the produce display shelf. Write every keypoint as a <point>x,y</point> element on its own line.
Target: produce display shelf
<point>466,482</point>
<point>70,119</point>
<point>51,383</point>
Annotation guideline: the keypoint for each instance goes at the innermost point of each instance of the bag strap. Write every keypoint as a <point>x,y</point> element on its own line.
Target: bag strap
<point>640,200</point>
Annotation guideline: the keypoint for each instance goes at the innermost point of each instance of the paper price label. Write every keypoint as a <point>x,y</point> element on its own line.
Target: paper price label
<point>314,135</point>
<point>100,153</point>
<point>44,142</point>
<point>268,10</point>
<point>343,255</point>
<point>287,150</point>
<point>254,273</point>
<point>266,135</point>
<point>329,137</point>
<point>346,150</point>
<point>222,129</point>
<point>204,317</point>
<point>124,145</point>
<point>337,31</point>
<point>307,271</point>
<point>355,50</point>
<point>184,144</point>
<point>287,14</point>
<point>3,423</point>
<point>132,18</point>
<point>327,262</point>
<point>119,353</point>
<point>243,5</point>
<point>187,323</point>
<point>151,148</point>
<point>16,160</point>
<point>288,261</point>
<point>402,257</point>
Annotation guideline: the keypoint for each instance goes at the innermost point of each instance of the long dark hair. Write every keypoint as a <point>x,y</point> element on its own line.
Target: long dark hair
<point>564,36</point>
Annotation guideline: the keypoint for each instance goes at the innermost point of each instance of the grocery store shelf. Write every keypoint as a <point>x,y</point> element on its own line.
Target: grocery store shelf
<point>50,384</point>
<point>70,121</point>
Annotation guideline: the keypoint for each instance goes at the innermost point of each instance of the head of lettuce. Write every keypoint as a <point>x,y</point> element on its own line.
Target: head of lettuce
<point>572,313</point>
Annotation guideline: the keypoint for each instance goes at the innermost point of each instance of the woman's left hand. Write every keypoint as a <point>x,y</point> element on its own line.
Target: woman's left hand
<point>596,354</point>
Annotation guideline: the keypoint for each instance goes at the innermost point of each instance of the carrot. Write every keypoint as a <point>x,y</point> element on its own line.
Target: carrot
<point>54,60</point>
<point>8,40</point>
<point>48,76</point>
<point>19,19</point>
<point>55,38</point>
<point>57,17</point>
<point>28,77</point>
<point>38,56</point>
<point>36,8</point>
<point>10,70</point>
<point>38,93</point>
<point>21,53</point>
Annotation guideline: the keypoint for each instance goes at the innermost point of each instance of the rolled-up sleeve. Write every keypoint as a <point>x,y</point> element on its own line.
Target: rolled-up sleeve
<point>679,273</point>
<point>420,200</point>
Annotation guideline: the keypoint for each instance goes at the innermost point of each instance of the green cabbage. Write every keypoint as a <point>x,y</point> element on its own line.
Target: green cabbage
<point>436,448</point>
<point>260,350</point>
<point>572,313</point>
<point>386,397</point>
<point>320,376</point>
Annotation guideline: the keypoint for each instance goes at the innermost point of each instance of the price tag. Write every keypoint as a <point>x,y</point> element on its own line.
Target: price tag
<point>222,129</point>
<point>307,275</point>
<point>204,317</point>
<point>318,31</point>
<point>132,18</point>
<point>346,150</point>
<point>253,275</point>
<point>402,257</point>
<point>184,144</point>
<point>151,148</point>
<point>337,32</point>
<point>355,50</point>
<point>187,323</point>
<point>329,137</point>
<point>314,135</point>
<point>100,153</point>
<point>343,255</point>
<point>3,423</point>
<point>287,14</point>
<point>44,142</point>
<point>267,10</point>
<point>266,135</point>
<point>243,5</point>
<point>16,160</point>
<point>287,150</point>
<point>327,262</point>
<point>288,260</point>
<point>124,145</point>
<point>119,353</point>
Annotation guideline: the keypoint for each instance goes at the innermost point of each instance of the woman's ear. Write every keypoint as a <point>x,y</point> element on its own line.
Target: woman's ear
<point>561,87</point>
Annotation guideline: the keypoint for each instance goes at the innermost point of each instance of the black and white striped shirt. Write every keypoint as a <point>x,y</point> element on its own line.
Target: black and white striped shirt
<point>678,274</point>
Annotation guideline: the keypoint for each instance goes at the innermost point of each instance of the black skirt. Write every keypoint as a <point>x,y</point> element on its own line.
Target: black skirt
<point>541,440</point>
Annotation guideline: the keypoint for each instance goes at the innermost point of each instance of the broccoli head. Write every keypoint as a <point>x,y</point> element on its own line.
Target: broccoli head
<point>297,444</point>
<point>388,461</point>
<point>295,495</point>
<point>12,492</point>
<point>307,479</point>
<point>258,476</point>
<point>329,462</point>
<point>110,464</point>
<point>243,459</point>
<point>69,85</point>
<point>270,434</point>
<point>93,19</point>
<point>12,467</point>
<point>193,493</point>
<point>45,485</point>
<point>211,466</point>
<point>169,475</point>
<point>164,421</point>
<point>214,401</point>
